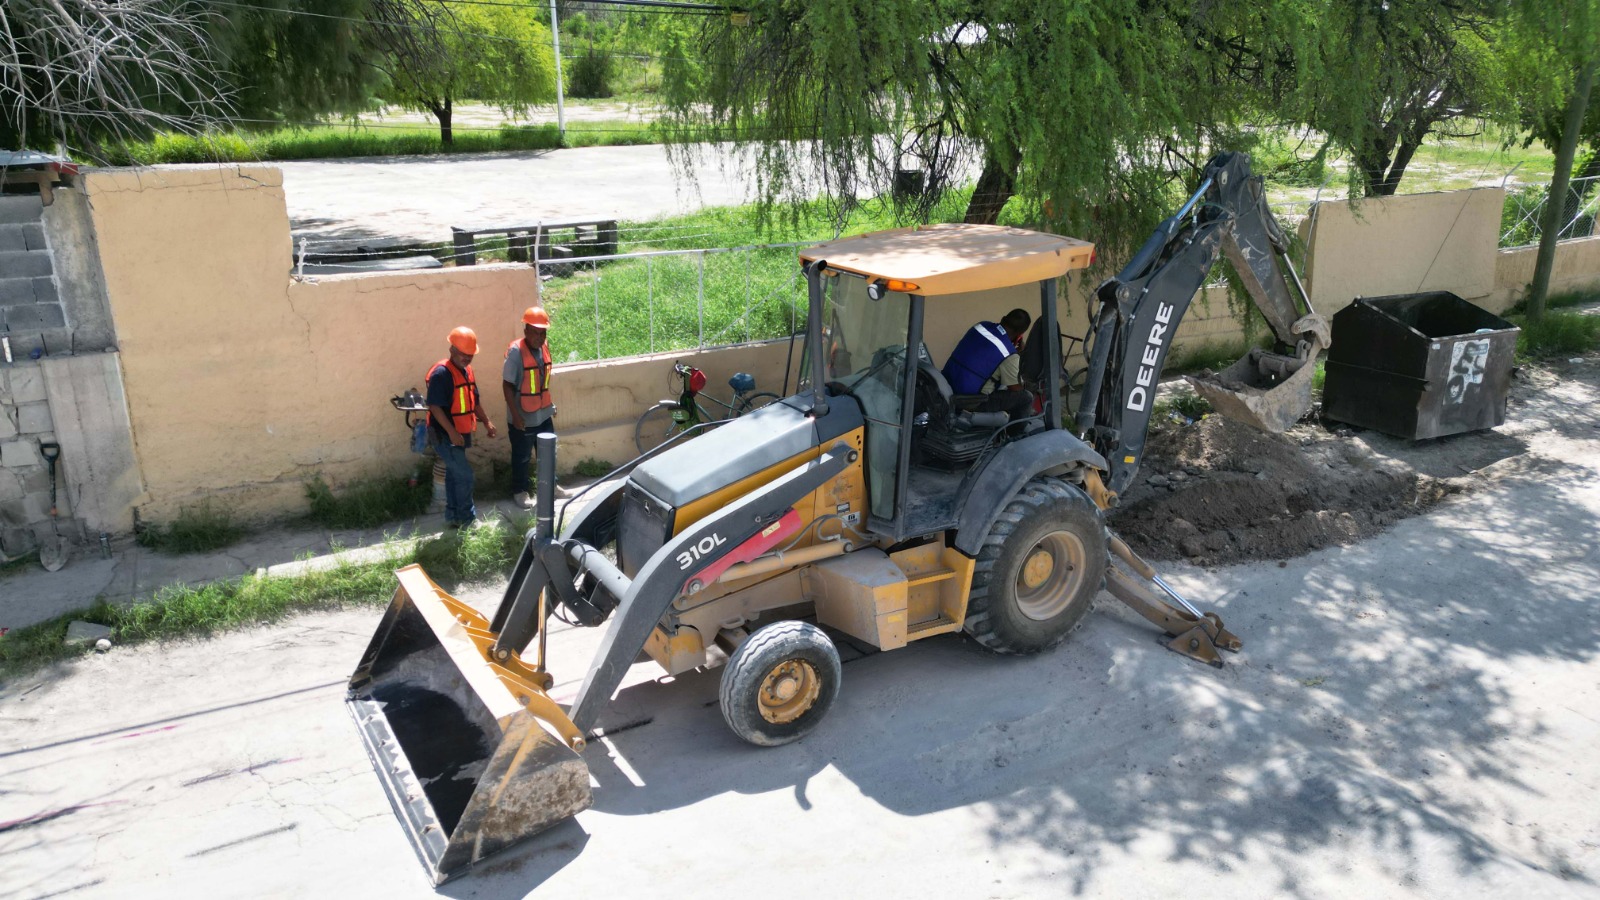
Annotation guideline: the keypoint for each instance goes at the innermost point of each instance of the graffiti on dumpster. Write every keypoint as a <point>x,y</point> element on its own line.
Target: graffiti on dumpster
<point>1467,362</point>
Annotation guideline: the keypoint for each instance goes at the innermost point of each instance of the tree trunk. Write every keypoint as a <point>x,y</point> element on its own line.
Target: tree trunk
<point>442,112</point>
<point>1397,169</point>
<point>996,185</point>
<point>1549,230</point>
<point>1374,163</point>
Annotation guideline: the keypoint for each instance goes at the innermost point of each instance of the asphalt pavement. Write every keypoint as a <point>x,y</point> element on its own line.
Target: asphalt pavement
<point>419,198</point>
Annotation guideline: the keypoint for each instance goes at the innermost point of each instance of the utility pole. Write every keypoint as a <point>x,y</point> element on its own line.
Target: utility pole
<point>561,112</point>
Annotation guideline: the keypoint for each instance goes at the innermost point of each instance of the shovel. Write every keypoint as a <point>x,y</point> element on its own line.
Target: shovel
<point>52,555</point>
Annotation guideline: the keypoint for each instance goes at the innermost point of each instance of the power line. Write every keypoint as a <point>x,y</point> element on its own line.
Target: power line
<point>638,5</point>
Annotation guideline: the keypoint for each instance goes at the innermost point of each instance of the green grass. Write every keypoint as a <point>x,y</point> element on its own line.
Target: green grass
<point>372,501</point>
<point>342,141</point>
<point>1556,335</point>
<point>591,467</point>
<point>183,611</point>
<point>1562,300</point>
<point>1184,402</point>
<point>765,280</point>
<point>197,529</point>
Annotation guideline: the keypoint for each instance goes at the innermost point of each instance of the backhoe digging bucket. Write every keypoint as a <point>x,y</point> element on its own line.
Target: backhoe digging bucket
<point>473,753</point>
<point>1268,391</point>
<point>1244,393</point>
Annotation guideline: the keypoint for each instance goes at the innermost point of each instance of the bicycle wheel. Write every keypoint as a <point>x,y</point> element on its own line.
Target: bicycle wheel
<point>659,424</point>
<point>756,401</point>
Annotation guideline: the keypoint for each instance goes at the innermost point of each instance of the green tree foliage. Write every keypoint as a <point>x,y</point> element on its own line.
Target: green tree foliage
<point>1086,110</point>
<point>433,53</point>
<point>591,75</point>
<point>85,75</point>
<point>1400,72</point>
<point>295,60</point>
<point>1553,48</point>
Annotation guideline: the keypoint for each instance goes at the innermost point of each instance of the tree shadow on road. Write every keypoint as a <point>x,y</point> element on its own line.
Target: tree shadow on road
<point>1370,697</point>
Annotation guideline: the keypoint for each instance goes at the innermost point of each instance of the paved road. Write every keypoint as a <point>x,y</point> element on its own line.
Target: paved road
<point>419,198</point>
<point>1414,716</point>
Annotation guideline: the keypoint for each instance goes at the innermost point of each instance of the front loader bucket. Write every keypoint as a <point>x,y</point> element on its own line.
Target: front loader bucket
<point>472,752</point>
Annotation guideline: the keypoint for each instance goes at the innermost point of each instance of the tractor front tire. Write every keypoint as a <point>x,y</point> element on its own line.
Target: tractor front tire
<point>779,683</point>
<point>1038,571</point>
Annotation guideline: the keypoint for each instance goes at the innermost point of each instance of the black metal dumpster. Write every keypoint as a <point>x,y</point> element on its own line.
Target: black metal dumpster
<point>1418,365</point>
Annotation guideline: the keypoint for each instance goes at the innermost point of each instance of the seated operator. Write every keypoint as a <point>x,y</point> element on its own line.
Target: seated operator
<point>987,362</point>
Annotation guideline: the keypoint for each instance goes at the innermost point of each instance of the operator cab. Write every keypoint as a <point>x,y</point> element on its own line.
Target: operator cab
<point>871,296</point>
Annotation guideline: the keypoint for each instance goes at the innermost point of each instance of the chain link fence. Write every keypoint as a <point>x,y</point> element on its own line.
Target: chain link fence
<point>1522,221</point>
<point>628,304</point>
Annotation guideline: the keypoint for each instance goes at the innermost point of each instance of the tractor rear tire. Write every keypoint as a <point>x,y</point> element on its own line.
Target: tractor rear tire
<point>779,683</point>
<point>1038,571</point>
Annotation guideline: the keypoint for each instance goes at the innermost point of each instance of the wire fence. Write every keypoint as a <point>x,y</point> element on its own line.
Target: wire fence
<point>1522,221</point>
<point>654,301</point>
<point>623,303</point>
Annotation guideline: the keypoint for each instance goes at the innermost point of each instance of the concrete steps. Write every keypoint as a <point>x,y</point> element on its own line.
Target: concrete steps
<point>29,298</point>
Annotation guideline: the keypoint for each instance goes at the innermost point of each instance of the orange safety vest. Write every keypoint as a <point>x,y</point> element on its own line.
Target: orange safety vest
<point>534,385</point>
<point>463,396</point>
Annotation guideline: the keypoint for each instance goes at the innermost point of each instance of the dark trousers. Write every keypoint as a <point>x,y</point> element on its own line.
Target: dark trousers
<point>458,508</point>
<point>1016,404</point>
<point>522,452</point>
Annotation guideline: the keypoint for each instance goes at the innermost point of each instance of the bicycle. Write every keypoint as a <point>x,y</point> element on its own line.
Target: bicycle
<point>669,418</point>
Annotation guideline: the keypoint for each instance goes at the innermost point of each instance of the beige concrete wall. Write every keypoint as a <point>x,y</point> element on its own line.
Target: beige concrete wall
<point>597,403</point>
<point>1577,267</point>
<point>241,383</point>
<point>1401,245</point>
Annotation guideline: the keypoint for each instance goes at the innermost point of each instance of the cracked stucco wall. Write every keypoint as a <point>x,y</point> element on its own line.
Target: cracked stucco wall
<point>243,383</point>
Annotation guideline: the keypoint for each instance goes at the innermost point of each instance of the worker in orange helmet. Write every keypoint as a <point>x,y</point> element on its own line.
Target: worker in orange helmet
<point>454,412</point>
<point>525,382</point>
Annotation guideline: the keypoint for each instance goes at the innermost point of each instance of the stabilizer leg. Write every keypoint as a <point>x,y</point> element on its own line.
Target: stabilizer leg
<point>1199,636</point>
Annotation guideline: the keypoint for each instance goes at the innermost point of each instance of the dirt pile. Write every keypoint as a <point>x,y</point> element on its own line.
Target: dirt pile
<point>1217,491</point>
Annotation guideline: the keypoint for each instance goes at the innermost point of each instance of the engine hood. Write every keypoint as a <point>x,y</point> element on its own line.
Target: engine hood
<point>743,447</point>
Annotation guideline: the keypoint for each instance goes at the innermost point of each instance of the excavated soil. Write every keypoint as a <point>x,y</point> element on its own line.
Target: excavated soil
<point>1216,491</point>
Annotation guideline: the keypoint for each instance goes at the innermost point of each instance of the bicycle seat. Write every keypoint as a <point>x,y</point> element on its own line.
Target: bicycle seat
<point>742,382</point>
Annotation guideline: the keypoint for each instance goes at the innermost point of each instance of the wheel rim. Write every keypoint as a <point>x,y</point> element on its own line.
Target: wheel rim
<point>791,688</point>
<point>1050,575</point>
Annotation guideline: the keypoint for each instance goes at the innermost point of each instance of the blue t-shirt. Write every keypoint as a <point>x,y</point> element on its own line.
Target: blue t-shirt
<point>440,388</point>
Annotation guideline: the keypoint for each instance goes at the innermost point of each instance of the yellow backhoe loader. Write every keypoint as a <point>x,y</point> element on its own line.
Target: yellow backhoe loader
<point>874,504</point>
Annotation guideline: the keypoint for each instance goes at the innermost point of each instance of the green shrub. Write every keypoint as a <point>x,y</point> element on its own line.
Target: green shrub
<point>371,501</point>
<point>591,76</point>
<point>591,467</point>
<point>197,529</point>
<point>1558,334</point>
<point>1183,402</point>
<point>481,551</point>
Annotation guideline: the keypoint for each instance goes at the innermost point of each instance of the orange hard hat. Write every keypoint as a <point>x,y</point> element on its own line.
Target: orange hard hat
<point>537,317</point>
<point>465,340</point>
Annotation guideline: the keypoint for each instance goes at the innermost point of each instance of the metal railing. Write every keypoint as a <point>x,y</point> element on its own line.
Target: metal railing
<point>1522,222</point>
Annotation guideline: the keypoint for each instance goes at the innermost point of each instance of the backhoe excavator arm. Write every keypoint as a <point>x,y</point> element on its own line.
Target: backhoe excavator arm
<point>1138,316</point>
<point>1141,307</point>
